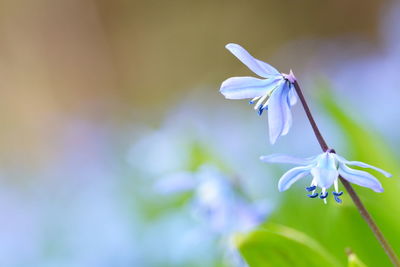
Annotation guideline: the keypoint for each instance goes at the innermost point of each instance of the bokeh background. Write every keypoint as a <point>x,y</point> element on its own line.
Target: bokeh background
<point>102,100</point>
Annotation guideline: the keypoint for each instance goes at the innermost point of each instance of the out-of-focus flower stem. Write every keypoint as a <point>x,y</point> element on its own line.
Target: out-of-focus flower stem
<point>357,201</point>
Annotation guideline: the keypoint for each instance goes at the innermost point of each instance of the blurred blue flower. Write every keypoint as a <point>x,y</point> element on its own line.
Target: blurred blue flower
<point>275,93</point>
<point>215,201</point>
<point>325,169</point>
<point>218,206</point>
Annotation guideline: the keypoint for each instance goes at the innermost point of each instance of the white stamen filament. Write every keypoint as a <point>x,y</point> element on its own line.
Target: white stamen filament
<point>314,183</point>
<point>323,193</point>
<point>260,101</point>
<point>266,103</point>
<point>254,99</point>
<point>265,97</point>
<point>335,184</point>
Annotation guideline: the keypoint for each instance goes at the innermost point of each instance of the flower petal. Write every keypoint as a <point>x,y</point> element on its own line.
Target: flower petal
<point>292,176</point>
<point>292,97</point>
<point>175,183</point>
<point>362,164</point>
<point>279,115</point>
<point>288,120</point>
<point>281,158</point>
<point>361,178</point>
<point>257,66</point>
<point>325,172</point>
<point>246,87</point>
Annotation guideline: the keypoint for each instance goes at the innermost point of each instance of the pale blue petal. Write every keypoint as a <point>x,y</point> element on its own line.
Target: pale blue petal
<point>246,217</point>
<point>257,66</point>
<point>292,176</point>
<point>286,106</point>
<point>279,115</point>
<point>175,183</point>
<point>325,172</point>
<point>281,158</point>
<point>361,178</point>
<point>292,97</point>
<point>362,164</point>
<point>246,87</point>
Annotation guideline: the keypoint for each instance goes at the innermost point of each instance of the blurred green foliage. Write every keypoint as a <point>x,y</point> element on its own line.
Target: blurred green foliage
<point>276,245</point>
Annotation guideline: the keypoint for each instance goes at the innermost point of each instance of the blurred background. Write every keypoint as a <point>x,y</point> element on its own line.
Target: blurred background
<point>102,101</point>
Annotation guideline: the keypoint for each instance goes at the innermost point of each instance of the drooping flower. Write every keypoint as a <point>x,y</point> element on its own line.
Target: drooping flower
<point>325,170</point>
<point>275,92</point>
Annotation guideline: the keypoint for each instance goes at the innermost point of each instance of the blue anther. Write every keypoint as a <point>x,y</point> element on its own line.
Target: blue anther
<point>338,200</point>
<point>337,193</point>
<point>323,196</point>
<point>251,102</point>
<point>260,110</point>
<point>313,195</point>
<point>311,188</point>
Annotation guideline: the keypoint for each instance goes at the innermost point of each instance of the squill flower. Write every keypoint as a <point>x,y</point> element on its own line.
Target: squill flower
<point>325,170</point>
<point>275,92</point>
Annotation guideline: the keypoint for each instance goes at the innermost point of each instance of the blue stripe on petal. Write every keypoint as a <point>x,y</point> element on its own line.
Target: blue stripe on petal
<point>292,176</point>
<point>361,178</point>
<point>257,66</point>
<point>246,87</point>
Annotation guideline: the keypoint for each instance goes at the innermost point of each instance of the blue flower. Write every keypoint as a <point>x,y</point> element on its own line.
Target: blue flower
<point>215,201</point>
<point>274,93</point>
<point>221,209</point>
<point>325,170</point>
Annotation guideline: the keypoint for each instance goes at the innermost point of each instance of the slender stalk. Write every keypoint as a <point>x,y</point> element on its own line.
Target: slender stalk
<point>357,201</point>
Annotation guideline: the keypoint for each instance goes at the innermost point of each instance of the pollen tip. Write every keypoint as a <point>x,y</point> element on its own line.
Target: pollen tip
<point>313,195</point>
<point>338,200</point>
<point>323,196</point>
<point>311,188</point>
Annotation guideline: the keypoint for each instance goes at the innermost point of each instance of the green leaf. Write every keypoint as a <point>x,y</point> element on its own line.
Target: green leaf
<point>353,260</point>
<point>277,245</point>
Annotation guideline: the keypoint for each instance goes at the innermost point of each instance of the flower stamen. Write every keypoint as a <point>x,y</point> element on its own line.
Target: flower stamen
<point>337,199</point>
<point>254,100</point>
<point>311,188</point>
<point>314,195</point>
<point>323,196</point>
<point>260,101</point>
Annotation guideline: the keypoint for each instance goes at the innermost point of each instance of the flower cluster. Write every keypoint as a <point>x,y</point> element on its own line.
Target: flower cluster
<point>276,93</point>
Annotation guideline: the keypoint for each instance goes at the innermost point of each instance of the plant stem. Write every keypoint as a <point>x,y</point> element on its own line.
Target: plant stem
<point>357,201</point>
